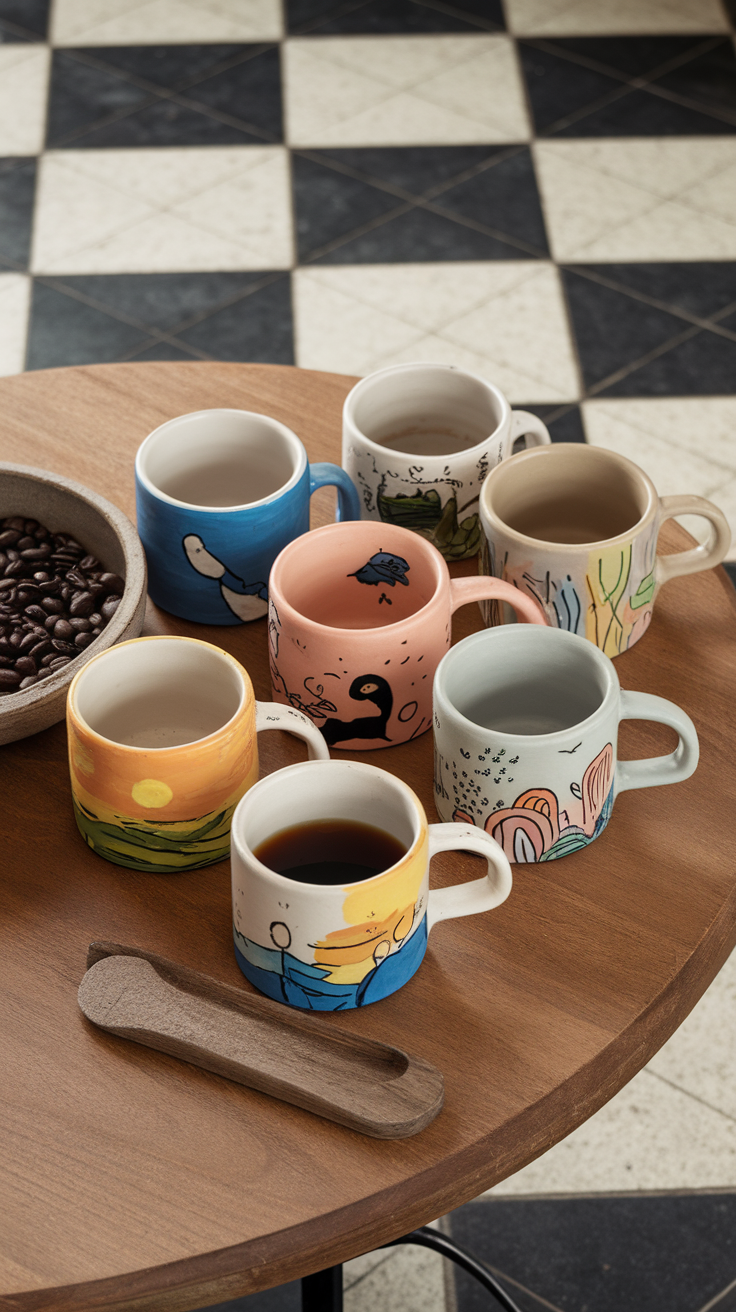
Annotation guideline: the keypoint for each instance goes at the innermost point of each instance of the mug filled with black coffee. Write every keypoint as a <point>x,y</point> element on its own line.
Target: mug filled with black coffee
<point>330,877</point>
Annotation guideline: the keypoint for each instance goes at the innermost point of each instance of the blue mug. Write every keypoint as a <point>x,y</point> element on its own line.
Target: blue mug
<point>218,494</point>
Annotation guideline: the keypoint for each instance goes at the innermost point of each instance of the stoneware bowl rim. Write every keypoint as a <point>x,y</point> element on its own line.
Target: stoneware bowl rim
<point>32,709</point>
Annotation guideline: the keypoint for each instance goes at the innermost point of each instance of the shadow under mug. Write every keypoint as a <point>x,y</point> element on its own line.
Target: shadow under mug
<point>326,947</point>
<point>360,615</point>
<point>525,733</point>
<point>575,527</point>
<point>418,440</point>
<point>218,494</point>
<point>162,746</point>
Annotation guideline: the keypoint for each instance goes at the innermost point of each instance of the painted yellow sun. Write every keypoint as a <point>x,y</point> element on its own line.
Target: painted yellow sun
<point>151,793</point>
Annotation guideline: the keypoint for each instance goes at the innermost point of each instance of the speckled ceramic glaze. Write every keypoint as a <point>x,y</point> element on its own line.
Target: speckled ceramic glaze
<point>331,948</point>
<point>360,615</point>
<point>162,746</point>
<point>219,493</point>
<point>416,484</point>
<point>525,729</point>
<point>575,527</point>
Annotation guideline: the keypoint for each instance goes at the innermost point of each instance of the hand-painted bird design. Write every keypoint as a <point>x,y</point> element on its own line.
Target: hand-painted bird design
<point>367,687</point>
<point>246,600</point>
<point>383,568</point>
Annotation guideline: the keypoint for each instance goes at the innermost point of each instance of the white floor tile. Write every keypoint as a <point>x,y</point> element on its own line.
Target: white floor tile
<point>662,199</point>
<point>649,1137</point>
<point>163,210</point>
<point>630,17</point>
<point>700,1058</point>
<point>679,460</point>
<point>170,22</point>
<point>24,75</point>
<point>504,319</point>
<point>402,91</point>
<point>407,1279</point>
<point>15,299</point>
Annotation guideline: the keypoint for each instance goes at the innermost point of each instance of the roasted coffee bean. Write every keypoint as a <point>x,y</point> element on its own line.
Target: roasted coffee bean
<point>25,542</point>
<point>35,612</point>
<point>9,679</point>
<point>81,604</point>
<point>51,622</point>
<point>9,537</point>
<point>14,568</point>
<point>79,624</point>
<point>52,605</point>
<point>41,577</point>
<point>89,564</point>
<point>29,681</point>
<point>5,584</point>
<point>64,648</point>
<point>95,619</point>
<point>41,648</point>
<point>27,642</point>
<point>59,663</point>
<point>84,639</point>
<point>15,522</point>
<point>25,665</point>
<point>63,629</point>
<point>34,552</point>
<point>112,583</point>
<point>75,577</point>
<point>110,606</point>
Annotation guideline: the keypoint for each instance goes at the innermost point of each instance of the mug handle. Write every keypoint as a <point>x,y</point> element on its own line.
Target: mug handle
<point>324,474</point>
<point>528,426</point>
<point>475,894</point>
<point>655,770</point>
<point>707,553</point>
<point>486,587</point>
<point>272,715</point>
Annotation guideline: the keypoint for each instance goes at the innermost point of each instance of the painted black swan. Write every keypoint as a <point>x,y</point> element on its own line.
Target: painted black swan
<point>371,688</point>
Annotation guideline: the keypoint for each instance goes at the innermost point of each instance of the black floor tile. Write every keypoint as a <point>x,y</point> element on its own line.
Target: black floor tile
<point>567,428</point>
<point>641,113</point>
<point>160,300</point>
<point>704,365</point>
<point>17,189</point>
<point>163,351</point>
<point>418,170</point>
<point>730,568</point>
<point>421,236</point>
<point>504,197</point>
<point>257,328</point>
<point>329,205</point>
<point>23,20</point>
<point>96,99</point>
<point>65,331</point>
<point>374,17</point>
<point>647,1254</point>
<point>613,329</point>
<point>710,79</point>
<point>702,288</point>
<point>560,86</point>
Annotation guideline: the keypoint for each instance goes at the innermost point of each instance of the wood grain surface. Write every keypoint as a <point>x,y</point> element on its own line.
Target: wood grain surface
<point>129,1180</point>
<point>371,1087</point>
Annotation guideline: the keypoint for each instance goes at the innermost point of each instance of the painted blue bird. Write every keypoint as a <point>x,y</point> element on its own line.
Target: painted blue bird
<point>383,568</point>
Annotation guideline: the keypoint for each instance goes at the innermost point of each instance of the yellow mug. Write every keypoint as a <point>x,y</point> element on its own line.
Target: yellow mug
<point>162,746</point>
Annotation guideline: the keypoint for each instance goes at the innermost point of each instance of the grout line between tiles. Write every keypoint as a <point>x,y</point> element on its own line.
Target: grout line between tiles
<point>687,1092</point>
<point>714,1302</point>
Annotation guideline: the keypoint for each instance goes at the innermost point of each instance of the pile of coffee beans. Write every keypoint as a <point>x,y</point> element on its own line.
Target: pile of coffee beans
<point>55,599</point>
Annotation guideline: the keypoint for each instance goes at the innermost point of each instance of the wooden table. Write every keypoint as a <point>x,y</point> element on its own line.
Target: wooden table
<point>128,1179</point>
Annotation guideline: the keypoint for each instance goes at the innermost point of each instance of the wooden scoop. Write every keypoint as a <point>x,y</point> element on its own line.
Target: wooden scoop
<point>265,1045</point>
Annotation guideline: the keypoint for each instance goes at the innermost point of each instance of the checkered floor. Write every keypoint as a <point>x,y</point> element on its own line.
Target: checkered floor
<point>540,190</point>
<point>543,191</point>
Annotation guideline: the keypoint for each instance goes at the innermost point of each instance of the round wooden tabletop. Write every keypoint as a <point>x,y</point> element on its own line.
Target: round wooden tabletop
<point>130,1179</point>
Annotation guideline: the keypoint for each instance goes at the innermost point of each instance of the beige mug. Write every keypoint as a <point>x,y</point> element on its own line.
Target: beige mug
<point>576,527</point>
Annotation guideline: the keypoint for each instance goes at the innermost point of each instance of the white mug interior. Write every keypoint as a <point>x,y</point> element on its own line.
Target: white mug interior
<point>323,790</point>
<point>159,693</point>
<point>220,459</point>
<point>524,681</point>
<point>425,409</point>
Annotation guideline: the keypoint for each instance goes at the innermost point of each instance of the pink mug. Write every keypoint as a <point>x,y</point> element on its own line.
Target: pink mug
<point>359,619</point>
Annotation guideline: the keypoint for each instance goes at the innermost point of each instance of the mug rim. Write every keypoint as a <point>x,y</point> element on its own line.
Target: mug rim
<point>635,472</point>
<point>246,694</point>
<point>434,556</point>
<point>246,853</point>
<point>413,366</point>
<point>298,450</point>
<point>508,633</point>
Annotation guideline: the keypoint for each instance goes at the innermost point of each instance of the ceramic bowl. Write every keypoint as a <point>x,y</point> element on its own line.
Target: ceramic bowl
<point>68,507</point>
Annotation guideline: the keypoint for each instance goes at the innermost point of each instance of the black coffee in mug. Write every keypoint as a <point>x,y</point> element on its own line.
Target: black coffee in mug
<point>330,852</point>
